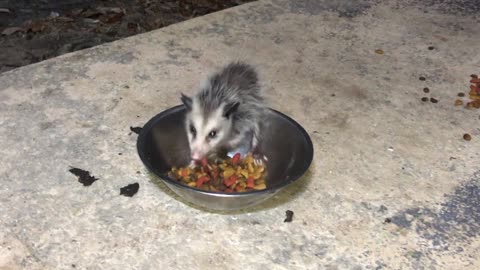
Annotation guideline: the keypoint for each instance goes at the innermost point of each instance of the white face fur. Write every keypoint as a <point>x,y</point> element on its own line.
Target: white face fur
<point>206,135</point>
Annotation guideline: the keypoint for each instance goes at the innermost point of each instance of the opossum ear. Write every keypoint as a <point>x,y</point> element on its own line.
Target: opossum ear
<point>187,101</point>
<point>230,108</point>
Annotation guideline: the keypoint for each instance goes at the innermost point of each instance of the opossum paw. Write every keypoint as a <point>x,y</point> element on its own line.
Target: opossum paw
<point>192,164</point>
<point>258,159</point>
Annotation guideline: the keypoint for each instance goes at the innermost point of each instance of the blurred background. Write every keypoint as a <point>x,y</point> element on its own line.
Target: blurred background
<point>35,30</point>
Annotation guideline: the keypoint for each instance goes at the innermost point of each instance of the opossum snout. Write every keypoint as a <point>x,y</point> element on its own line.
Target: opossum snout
<point>197,153</point>
<point>196,156</point>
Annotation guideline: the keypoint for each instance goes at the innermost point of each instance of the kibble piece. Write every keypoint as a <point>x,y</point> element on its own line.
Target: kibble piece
<point>461,94</point>
<point>379,51</point>
<point>467,137</point>
<point>473,104</point>
<point>458,102</point>
<point>424,99</point>
<point>422,78</point>
<point>431,48</point>
<point>433,100</point>
<point>426,90</point>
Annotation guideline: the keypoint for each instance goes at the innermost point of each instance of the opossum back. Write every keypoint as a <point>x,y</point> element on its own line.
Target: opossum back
<point>237,82</point>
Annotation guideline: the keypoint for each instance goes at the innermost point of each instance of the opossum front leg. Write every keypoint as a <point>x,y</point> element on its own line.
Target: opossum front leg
<point>258,158</point>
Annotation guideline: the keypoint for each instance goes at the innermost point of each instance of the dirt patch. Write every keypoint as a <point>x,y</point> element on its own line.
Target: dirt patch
<point>32,31</point>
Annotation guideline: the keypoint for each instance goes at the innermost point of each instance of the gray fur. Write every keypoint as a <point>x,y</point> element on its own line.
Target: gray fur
<point>235,84</point>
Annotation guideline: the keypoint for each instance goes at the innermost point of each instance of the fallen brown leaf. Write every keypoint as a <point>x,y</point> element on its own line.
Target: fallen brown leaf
<point>112,18</point>
<point>76,12</point>
<point>64,19</point>
<point>91,13</point>
<point>36,27</point>
<point>106,10</point>
<point>132,27</point>
<point>11,30</point>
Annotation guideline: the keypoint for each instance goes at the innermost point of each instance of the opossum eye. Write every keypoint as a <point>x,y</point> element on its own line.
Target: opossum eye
<point>212,134</point>
<point>193,130</point>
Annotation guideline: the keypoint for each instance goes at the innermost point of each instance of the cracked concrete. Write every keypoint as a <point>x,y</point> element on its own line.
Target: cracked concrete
<point>393,185</point>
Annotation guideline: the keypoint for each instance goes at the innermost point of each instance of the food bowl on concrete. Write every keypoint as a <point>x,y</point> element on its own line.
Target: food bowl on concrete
<point>163,143</point>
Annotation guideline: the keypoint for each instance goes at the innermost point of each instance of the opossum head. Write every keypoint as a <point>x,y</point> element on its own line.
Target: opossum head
<point>207,128</point>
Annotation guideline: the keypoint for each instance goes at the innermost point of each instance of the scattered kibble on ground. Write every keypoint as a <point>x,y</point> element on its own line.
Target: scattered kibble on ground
<point>424,99</point>
<point>467,137</point>
<point>426,90</point>
<point>474,94</point>
<point>433,100</point>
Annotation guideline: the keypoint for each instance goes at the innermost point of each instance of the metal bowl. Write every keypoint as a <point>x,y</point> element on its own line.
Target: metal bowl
<point>163,143</point>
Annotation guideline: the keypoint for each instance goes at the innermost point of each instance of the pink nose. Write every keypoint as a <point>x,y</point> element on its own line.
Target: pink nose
<point>196,156</point>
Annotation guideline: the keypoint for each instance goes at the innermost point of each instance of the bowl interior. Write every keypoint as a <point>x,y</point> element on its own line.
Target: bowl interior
<point>163,143</point>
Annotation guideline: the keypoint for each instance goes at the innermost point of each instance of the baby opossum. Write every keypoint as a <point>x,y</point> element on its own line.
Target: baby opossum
<point>226,114</point>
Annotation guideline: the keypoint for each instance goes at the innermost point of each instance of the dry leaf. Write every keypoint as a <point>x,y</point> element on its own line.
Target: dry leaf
<point>112,18</point>
<point>36,27</point>
<point>132,27</point>
<point>106,10</point>
<point>64,19</point>
<point>11,30</point>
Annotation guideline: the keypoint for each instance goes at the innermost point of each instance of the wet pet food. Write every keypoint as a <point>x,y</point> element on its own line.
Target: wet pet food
<point>84,177</point>
<point>289,214</point>
<point>136,129</point>
<point>130,190</point>
<point>228,175</point>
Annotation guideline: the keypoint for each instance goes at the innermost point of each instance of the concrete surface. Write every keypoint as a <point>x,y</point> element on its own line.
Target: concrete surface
<point>381,153</point>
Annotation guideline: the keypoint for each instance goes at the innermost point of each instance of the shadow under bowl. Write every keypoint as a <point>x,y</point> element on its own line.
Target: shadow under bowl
<point>163,143</point>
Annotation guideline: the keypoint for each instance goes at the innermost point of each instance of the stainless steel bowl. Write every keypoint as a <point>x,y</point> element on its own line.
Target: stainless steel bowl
<point>163,143</point>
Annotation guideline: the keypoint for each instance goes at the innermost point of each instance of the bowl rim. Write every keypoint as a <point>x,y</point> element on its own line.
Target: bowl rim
<point>147,128</point>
